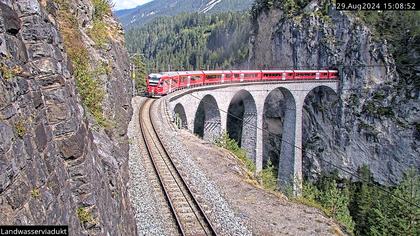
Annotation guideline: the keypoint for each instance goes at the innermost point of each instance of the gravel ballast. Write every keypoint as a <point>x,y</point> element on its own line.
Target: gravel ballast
<point>148,217</point>
<point>223,217</point>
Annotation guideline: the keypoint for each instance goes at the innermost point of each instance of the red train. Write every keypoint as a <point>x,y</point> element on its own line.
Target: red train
<point>167,82</point>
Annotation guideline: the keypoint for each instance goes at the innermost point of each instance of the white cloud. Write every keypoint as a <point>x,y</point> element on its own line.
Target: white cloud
<point>127,4</point>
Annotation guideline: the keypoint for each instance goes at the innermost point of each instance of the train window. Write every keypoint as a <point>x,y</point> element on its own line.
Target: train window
<point>305,74</point>
<point>153,80</point>
<point>228,76</point>
<point>195,78</point>
<point>272,75</point>
<point>213,76</point>
<point>250,75</point>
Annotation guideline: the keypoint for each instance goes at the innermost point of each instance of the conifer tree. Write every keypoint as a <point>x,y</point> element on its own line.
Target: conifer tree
<point>139,73</point>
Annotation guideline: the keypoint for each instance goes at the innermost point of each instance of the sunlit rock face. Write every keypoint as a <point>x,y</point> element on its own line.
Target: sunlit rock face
<point>372,121</point>
<point>55,161</point>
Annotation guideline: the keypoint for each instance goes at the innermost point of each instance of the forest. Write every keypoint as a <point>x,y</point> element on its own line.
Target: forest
<point>192,42</point>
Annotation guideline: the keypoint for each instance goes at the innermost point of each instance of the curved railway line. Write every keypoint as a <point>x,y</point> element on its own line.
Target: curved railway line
<point>190,219</point>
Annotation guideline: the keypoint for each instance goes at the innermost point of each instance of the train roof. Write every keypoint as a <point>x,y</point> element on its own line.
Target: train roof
<point>174,73</point>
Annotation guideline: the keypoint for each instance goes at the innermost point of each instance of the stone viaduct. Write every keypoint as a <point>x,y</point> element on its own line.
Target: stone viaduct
<point>204,111</point>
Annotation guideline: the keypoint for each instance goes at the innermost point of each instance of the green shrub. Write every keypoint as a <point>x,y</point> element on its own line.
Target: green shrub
<point>102,8</point>
<point>99,33</point>
<point>226,142</point>
<point>328,197</point>
<point>6,72</point>
<point>35,193</point>
<point>88,87</point>
<point>9,72</point>
<point>84,215</point>
<point>20,128</point>
<point>268,177</point>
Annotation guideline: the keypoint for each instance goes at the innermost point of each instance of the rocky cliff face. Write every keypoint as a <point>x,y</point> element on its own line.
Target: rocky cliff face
<point>374,121</point>
<point>58,164</point>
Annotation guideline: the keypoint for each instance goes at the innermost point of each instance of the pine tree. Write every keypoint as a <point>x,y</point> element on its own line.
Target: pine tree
<point>361,204</point>
<point>139,73</point>
<point>405,220</point>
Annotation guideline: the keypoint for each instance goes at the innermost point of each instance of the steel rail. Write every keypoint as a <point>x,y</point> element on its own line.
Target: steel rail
<point>182,187</point>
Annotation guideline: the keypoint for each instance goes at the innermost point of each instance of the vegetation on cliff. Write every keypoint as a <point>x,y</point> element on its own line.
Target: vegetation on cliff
<point>88,84</point>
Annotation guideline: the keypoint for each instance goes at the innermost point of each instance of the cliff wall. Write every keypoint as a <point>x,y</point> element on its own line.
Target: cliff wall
<point>374,118</point>
<point>65,104</point>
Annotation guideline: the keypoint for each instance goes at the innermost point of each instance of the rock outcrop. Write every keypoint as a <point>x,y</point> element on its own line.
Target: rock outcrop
<point>57,164</point>
<point>374,122</point>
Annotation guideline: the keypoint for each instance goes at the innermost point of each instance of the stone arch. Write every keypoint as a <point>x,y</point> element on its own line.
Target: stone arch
<point>179,112</point>
<point>319,117</point>
<point>207,122</point>
<point>241,121</point>
<point>279,125</point>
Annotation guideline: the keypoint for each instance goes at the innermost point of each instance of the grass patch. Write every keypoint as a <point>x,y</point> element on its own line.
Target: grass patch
<point>266,178</point>
<point>20,128</point>
<point>230,144</point>
<point>84,215</point>
<point>99,33</point>
<point>35,193</point>
<point>8,73</point>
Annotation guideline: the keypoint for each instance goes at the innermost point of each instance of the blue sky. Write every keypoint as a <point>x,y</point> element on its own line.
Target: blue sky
<point>126,4</point>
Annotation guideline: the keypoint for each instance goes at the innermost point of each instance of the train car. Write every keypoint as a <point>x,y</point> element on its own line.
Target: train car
<point>160,84</point>
<point>268,75</point>
<point>216,77</point>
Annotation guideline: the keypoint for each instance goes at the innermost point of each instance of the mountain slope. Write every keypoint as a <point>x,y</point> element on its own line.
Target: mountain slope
<point>147,12</point>
<point>192,41</point>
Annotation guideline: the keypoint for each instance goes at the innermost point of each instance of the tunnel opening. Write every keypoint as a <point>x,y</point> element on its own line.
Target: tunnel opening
<point>207,122</point>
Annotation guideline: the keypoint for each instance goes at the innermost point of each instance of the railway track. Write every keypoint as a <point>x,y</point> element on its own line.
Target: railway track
<point>189,216</point>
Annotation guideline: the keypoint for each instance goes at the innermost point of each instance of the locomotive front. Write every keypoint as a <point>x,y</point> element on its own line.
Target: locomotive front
<point>154,87</point>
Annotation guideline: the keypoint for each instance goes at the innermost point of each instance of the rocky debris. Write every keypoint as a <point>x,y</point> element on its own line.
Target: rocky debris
<point>54,161</point>
<point>221,213</point>
<point>372,123</point>
<point>140,189</point>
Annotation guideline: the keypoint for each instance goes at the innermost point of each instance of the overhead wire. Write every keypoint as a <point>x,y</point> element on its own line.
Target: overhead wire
<point>328,162</point>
